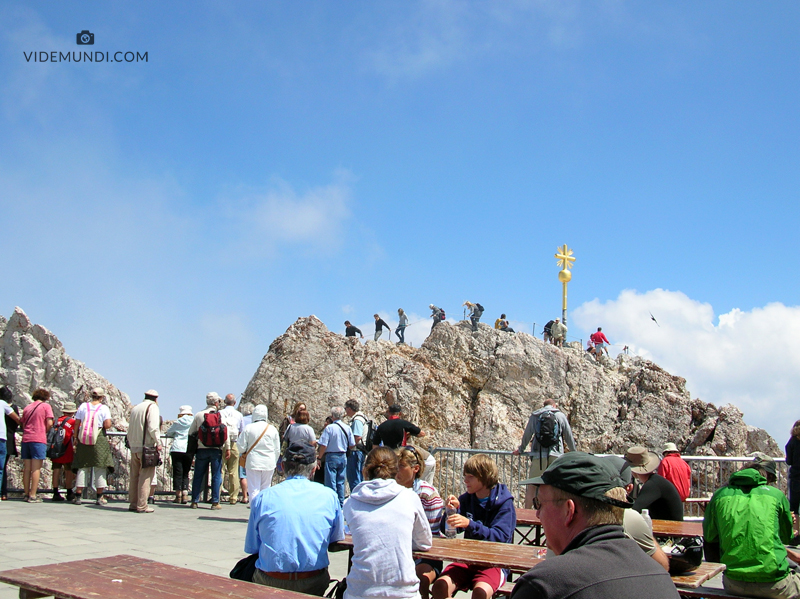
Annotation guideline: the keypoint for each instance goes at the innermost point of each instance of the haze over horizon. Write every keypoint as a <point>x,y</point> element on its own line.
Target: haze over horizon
<point>168,218</point>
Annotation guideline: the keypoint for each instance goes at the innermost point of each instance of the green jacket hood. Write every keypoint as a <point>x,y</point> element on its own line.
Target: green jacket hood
<point>749,477</point>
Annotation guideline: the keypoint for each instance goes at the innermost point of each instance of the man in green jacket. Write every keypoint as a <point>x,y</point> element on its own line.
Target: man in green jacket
<point>745,527</point>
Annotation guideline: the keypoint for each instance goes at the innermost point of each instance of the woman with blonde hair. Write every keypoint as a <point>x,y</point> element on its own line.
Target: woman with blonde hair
<point>387,523</point>
<point>411,466</point>
<point>793,461</point>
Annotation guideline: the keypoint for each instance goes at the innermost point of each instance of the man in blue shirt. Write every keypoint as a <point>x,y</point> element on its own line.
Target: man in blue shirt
<point>355,461</point>
<point>334,442</point>
<point>291,526</point>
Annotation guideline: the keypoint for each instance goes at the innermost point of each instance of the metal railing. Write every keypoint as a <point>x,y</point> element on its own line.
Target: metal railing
<point>709,473</point>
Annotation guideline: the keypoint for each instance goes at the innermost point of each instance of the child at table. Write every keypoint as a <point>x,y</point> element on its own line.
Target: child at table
<point>486,513</point>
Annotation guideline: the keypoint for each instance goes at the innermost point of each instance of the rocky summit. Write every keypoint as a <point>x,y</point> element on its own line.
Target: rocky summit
<point>33,357</point>
<point>477,390</point>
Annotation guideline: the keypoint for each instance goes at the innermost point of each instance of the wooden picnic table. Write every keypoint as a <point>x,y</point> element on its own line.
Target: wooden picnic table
<point>129,577</point>
<point>486,554</point>
<point>671,528</point>
<point>661,528</point>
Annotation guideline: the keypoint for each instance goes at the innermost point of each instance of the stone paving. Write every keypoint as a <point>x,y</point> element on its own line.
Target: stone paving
<point>44,533</point>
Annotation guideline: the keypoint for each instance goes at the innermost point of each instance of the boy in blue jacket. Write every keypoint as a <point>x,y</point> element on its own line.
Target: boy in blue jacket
<point>486,513</point>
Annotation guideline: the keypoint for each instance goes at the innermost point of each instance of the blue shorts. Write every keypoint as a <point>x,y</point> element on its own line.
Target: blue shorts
<point>242,472</point>
<point>34,451</point>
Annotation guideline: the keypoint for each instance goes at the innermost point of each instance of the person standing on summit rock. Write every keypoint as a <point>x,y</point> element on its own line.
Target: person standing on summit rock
<point>558,333</point>
<point>380,324</point>
<point>601,343</point>
<point>400,331</point>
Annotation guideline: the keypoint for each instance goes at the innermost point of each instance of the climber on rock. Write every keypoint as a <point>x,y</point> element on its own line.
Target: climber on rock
<point>350,330</point>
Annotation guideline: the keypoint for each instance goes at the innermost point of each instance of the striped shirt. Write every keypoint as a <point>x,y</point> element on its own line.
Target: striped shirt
<point>432,503</point>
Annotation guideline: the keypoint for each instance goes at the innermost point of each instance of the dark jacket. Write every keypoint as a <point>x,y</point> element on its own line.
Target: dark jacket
<point>496,522</point>
<point>793,457</point>
<point>600,563</point>
<point>661,498</point>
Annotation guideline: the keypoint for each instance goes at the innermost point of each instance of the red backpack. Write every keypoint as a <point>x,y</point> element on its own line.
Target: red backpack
<point>213,432</point>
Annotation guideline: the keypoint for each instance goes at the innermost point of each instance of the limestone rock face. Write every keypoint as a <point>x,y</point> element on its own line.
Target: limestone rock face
<point>32,357</point>
<point>478,389</point>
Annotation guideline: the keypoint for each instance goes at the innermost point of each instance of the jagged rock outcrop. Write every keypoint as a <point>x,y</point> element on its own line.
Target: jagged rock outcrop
<point>477,390</point>
<point>32,357</point>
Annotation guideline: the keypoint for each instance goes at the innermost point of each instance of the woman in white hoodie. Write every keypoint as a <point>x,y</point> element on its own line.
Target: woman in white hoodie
<point>387,522</point>
<point>260,439</point>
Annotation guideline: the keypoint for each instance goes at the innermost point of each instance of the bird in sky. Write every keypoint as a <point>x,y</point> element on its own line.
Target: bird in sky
<point>653,318</point>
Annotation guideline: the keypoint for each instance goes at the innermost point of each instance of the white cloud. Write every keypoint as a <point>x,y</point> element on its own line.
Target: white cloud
<point>313,219</point>
<point>748,358</point>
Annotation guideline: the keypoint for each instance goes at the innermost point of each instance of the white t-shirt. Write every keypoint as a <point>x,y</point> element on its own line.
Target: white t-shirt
<point>103,413</point>
<point>6,410</point>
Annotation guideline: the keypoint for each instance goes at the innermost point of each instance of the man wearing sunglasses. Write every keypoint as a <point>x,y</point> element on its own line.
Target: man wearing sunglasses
<point>580,500</point>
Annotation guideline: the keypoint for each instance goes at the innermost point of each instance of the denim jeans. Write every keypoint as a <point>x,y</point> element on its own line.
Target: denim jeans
<point>3,451</point>
<point>202,459</point>
<point>335,466</point>
<point>354,465</point>
<point>401,333</point>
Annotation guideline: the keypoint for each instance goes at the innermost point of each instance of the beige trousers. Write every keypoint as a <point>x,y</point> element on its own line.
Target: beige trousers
<point>230,473</point>
<point>139,486</point>
<point>788,588</point>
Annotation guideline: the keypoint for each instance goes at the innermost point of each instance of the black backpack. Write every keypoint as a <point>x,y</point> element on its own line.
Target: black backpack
<point>480,309</point>
<point>57,443</point>
<point>548,432</point>
<point>368,437</point>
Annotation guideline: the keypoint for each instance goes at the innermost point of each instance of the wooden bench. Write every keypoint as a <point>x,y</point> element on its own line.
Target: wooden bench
<point>129,577</point>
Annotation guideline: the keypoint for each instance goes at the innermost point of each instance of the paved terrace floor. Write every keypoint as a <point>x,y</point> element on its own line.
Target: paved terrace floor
<point>44,533</point>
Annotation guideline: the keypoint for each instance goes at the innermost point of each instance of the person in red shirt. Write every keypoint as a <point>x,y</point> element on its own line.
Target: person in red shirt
<point>600,342</point>
<point>65,461</point>
<point>675,469</point>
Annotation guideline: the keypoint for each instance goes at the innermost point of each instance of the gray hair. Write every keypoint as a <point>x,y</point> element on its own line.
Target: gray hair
<point>337,412</point>
<point>246,409</point>
<point>296,469</point>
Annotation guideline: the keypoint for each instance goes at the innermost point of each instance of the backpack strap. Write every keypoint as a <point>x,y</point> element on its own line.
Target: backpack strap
<point>25,420</point>
<point>144,424</point>
<point>249,449</point>
<point>344,432</point>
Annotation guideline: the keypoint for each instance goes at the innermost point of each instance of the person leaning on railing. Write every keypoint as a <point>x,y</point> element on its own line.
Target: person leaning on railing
<point>92,450</point>
<point>181,459</point>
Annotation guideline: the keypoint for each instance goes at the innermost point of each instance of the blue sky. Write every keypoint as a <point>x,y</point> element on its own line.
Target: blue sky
<point>168,219</point>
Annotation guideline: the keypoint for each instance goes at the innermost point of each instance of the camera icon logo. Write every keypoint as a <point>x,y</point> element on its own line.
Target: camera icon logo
<point>85,38</point>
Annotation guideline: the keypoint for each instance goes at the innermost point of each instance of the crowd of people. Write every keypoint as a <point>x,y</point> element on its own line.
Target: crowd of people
<point>594,510</point>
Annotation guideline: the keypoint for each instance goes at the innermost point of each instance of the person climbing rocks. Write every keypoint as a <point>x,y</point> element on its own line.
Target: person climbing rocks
<point>437,314</point>
<point>350,330</point>
<point>380,323</point>
<point>476,311</point>
<point>548,331</point>
<point>500,322</point>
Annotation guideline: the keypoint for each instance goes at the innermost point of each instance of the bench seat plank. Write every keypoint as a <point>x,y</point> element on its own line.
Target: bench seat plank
<point>93,579</point>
